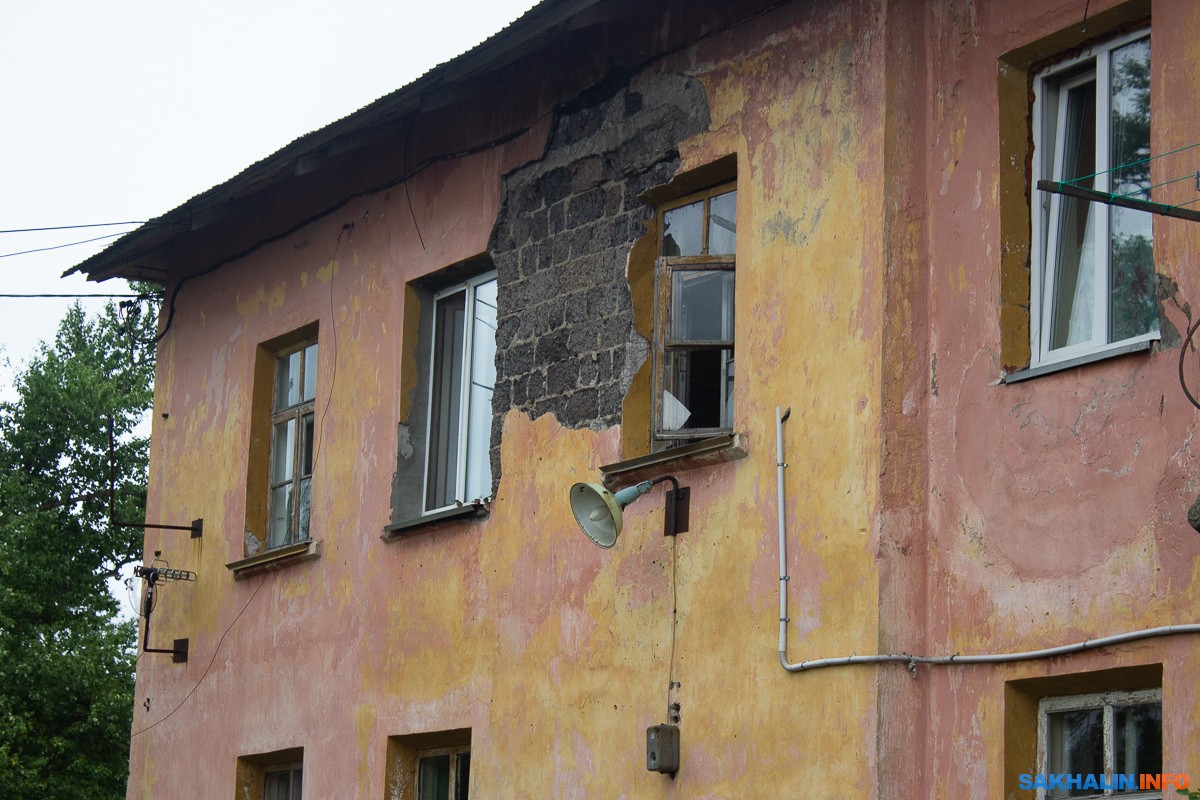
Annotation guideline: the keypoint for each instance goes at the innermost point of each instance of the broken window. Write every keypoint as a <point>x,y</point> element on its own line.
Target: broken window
<point>694,316</point>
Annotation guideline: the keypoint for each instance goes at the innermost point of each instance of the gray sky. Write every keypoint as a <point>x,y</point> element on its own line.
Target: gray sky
<point>121,110</point>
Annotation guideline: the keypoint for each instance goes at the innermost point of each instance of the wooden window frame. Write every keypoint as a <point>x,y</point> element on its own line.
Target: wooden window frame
<point>296,413</point>
<point>1107,701</point>
<point>295,773</point>
<point>453,791</point>
<point>665,269</point>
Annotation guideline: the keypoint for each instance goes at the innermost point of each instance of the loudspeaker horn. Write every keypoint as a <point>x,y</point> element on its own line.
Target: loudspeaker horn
<point>598,511</point>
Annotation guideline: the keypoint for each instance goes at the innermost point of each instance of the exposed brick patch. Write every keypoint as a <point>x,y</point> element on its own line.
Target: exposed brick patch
<point>565,338</point>
<point>566,344</point>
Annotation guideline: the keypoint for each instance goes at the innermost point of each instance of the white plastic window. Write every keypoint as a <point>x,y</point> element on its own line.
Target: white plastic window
<point>463,375</point>
<point>1093,264</point>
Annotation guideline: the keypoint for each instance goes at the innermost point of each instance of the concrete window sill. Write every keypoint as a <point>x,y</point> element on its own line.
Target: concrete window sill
<point>272,560</point>
<point>1059,366</point>
<point>704,453</point>
<point>405,528</point>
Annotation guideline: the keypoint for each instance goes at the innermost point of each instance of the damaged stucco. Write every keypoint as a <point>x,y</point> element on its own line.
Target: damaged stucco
<point>929,506</point>
<point>566,343</point>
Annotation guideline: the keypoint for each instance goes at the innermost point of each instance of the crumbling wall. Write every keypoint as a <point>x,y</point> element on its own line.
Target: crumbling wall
<point>566,343</point>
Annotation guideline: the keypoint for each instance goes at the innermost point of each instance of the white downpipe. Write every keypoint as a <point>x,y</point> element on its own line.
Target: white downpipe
<point>780,465</point>
<point>906,658</point>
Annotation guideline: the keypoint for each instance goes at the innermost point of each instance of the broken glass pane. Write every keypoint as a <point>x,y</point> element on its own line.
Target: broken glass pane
<point>699,380</point>
<point>722,224</point>
<point>305,505</point>
<point>683,230</point>
<point>287,376</point>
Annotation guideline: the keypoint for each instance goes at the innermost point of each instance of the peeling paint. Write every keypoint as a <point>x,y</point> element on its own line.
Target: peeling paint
<point>929,508</point>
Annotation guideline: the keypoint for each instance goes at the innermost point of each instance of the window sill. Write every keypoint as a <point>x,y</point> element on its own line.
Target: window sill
<point>1070,363</point>
<point>401,530</point>
<point>272,560</point>
<point>704,453</point>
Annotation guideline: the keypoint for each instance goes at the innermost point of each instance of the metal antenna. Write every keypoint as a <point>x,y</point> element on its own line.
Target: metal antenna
<point>154,575</point>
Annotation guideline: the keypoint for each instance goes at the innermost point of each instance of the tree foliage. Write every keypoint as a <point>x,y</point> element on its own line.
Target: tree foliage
<point>66,663</point>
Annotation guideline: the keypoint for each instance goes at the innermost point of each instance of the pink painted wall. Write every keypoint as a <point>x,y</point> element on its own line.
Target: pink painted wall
<point>930,507</point>
<point>1056,506</point>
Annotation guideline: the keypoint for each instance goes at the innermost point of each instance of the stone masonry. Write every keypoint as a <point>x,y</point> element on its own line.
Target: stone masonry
<point>566,343</point>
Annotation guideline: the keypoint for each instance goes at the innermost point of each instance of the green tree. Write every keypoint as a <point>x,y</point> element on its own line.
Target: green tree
<point>66,662</point>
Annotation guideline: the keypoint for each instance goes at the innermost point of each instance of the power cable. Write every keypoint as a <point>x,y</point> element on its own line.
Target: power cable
<point>347,231</point>
<point>89,225</point>
<point>216,650</point>
<point>673,708</point>
<point>1183,351</point>
<point>68,296</point>
<point>61,246</point>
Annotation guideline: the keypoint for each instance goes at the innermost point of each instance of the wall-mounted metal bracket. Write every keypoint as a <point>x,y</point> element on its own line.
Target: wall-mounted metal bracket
<point>153,576</point>
<point>676,515</point>
<point>179,653</point>
<point>197,527</point>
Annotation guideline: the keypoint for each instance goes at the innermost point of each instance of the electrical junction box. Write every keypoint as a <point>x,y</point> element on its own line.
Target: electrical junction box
<point>662,749</point>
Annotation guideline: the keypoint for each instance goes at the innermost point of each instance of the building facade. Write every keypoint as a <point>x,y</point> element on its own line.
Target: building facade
<point>617,242</point>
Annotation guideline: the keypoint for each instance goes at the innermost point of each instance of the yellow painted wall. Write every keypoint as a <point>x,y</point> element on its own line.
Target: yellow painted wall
<point>929,508</point>
<point>555,654</point>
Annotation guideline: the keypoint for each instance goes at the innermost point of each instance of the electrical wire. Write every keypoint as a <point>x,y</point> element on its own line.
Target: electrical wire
<point>61,246</point>
<point>672,709</point>
<point>910,660</point>
<point>67,296</point>
<point>75,227</point>
<point>349,226</point>
<point>211,661</point>
<point>316,453</point>
<point>134,605</point>
<point>1187,345</point>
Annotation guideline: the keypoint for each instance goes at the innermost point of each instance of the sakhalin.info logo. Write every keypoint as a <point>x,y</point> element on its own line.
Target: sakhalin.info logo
<point>1099,783</point>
